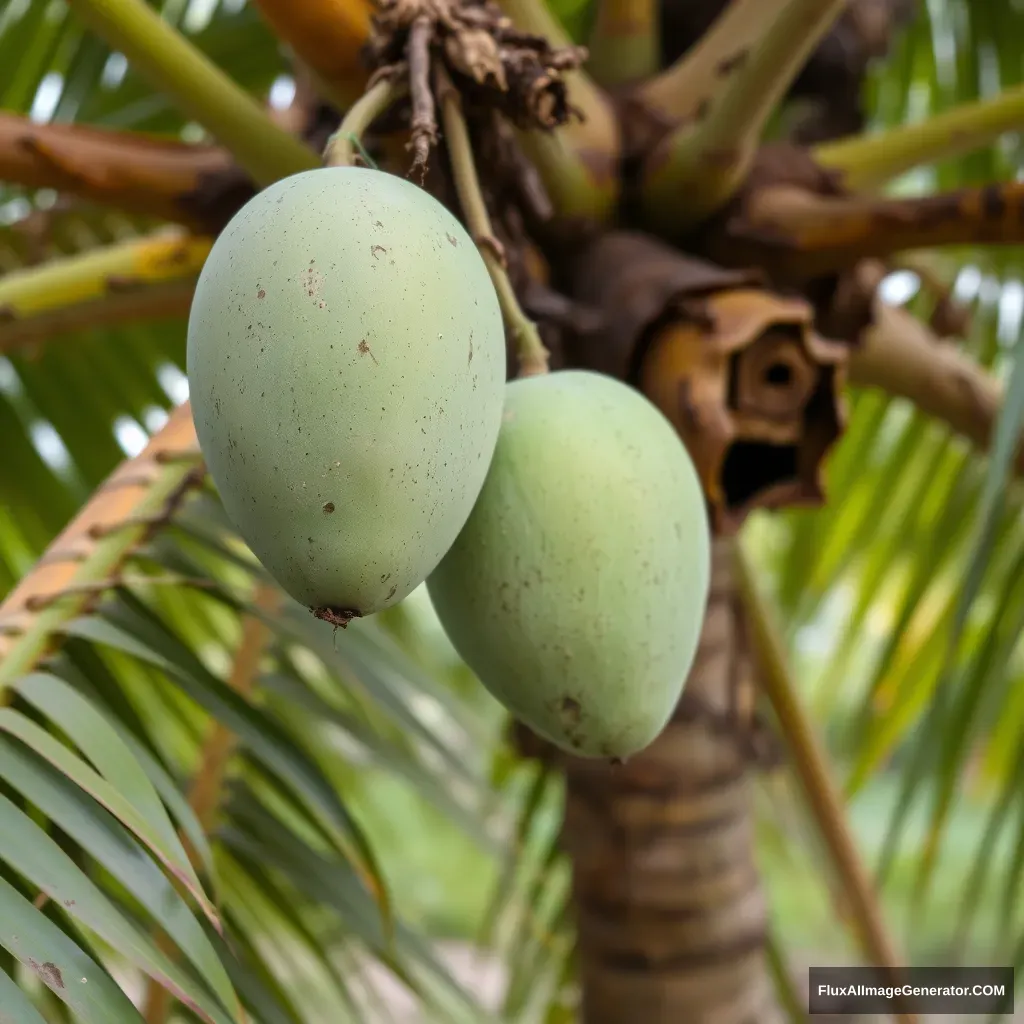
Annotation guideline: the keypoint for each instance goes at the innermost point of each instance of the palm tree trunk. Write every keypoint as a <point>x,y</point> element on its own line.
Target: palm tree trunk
<point>670,911</point>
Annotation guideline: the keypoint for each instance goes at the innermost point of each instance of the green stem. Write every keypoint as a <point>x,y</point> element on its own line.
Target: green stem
<point>578,162</point>
<point>625,42</point>
<point>697,169</point>
<point>533,356</point>
<point>341,146</point>
<point>143,279</point>
<point>677,93</point>
<point>198,87</point>
<point>99,273</point>
<point>868,162</point>
<point>536,17</point>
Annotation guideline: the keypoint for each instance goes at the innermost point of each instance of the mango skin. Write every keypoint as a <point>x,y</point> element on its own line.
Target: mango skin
<point>578,587</point>
<point>346,362</point>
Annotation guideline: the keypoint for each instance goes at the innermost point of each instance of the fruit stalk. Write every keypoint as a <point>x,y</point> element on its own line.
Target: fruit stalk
<point>699,166</point>
<point>341,147</point>
<point>141,174</point>
<point>533,356</point>
<point>670,908</point>
<point>154,275</point>
<point>198,87</point>
<point>869,161</point>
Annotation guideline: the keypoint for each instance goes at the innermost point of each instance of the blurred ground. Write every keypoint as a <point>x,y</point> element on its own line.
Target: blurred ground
<point>485,977</point>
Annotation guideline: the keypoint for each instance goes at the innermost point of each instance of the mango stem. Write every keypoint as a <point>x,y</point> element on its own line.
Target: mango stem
<point>530,350</point>
<point>340,150</point>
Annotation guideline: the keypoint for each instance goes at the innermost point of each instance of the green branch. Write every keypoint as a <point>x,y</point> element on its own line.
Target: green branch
<point>697,168</point>
<point>579,162</point>
<point>625,42</point>
<point>148,277</point>
<point>198,87</point>
<point>680,91</point>
<point>902,357</point>
<point>867,162</point>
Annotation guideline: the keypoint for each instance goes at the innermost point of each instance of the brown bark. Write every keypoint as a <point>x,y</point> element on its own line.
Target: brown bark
<point>200,186</point>
<point>740,372</point>
<point>670,910</point>
<point>800,234</point>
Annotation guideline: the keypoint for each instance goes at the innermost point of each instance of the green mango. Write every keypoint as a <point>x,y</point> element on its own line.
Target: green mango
<point>578,587</point>
<point>346,363</point>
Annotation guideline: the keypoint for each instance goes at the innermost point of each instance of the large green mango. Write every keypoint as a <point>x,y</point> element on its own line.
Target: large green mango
<point>577,589</point>
<point>346,362</point>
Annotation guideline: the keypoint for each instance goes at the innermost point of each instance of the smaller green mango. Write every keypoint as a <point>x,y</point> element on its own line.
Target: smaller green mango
<point>577,589</point>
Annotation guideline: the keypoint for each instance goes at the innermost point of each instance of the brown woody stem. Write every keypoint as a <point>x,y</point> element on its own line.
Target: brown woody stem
<point>137,173</point>
<point>533,356</point>
<point>699,165</point>
<point>901,356</point>
<point>424,116</point>
<point>801,233</point>
<point>812,769</point>
<point>869,161</point>
<point>579,162</point>
<point>625,42</point>
<point>341,147</point>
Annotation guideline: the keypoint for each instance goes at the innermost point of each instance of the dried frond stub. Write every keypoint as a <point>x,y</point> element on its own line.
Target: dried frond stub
<point>751,387</point>
<point>754,393</point>
<point>632,280</point>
